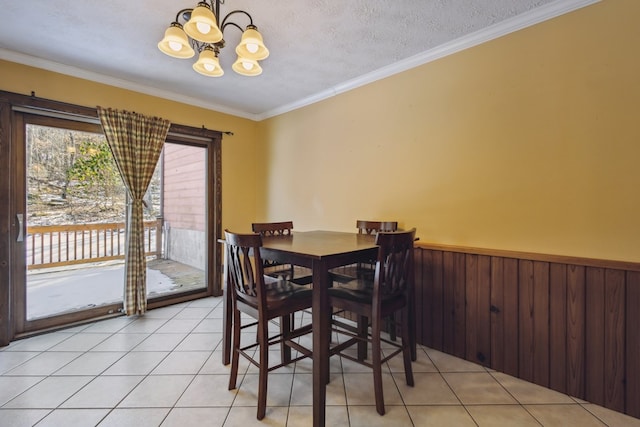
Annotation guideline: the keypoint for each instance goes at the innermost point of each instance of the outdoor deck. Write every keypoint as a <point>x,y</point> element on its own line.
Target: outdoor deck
<point>62,290</point>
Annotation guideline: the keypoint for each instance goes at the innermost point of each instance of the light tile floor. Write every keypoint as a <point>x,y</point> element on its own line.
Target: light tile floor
<point>164,369</point>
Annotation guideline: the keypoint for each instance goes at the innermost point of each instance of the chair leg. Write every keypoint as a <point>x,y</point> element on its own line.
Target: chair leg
<point>285,330</point>
<point>391,327</point>
<point>376,358</point>
<point>264,367</point>
<point>407,346</point>
<point>363,327</point>
<point>235,345</point>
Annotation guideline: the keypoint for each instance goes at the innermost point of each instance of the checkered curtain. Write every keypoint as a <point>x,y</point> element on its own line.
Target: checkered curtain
<point>136,142</point>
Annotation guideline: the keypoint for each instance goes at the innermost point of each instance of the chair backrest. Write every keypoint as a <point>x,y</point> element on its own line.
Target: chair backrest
<point>373,227</point>
<point>245,274</point>
<point>394,268</point>
<point>269,229</point>
<point>273,228</point>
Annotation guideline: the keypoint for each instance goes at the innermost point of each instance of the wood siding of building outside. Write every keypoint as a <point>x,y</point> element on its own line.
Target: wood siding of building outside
<point>185,179</point>
<point>569,324</point>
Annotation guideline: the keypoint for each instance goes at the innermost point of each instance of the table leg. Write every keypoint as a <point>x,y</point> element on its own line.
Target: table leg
<point>227,323</point>
<point>320,309</point>
<point>412,325</point>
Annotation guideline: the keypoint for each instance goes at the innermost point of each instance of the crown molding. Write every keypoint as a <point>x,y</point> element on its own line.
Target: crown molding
<point>57,67</point>
<point>533,17</point>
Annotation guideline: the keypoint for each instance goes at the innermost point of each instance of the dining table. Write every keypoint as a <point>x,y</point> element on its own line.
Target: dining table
<point>320,251</point>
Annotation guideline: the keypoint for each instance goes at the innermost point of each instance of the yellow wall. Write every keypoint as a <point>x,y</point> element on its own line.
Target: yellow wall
<point>530,142</point>
<point>238,159</point>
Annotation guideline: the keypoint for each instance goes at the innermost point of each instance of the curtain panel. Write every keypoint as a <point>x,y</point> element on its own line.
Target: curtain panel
<point>136,142</point>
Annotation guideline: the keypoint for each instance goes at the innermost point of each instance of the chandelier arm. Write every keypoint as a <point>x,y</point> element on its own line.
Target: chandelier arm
<point>181,14</point>
<point>217,9</point>
<point>224,21</point>
<point>197,46</point>
<point>233,24</point>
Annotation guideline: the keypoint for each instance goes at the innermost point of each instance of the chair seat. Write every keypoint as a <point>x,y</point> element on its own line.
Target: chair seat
<point>361,291</point>
<point>280,292</point>
<point>288,274</point>
<point>351,272</point>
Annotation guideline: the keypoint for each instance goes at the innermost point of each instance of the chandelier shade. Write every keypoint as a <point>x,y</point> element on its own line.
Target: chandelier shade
<point>202,25</point>
<point>175,42</point>
<point>247,67</point>
<point>251,45</point>
<point>201,30</point>
<point>208,63</point>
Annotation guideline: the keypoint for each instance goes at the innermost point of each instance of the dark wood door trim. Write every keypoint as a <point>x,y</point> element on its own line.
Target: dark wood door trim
<point>12,102</point>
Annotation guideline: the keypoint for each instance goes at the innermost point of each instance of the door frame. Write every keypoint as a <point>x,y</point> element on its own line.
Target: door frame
<point>12,263</point>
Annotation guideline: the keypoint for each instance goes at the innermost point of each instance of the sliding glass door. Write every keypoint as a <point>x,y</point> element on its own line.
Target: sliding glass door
<point>70,206</point>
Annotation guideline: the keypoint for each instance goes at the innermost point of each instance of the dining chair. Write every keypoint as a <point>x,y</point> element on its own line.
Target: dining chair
<point>366,269</point>
<point>262,298</point>
<point>388,293</point>
<point>347,273</point>
<point>274,268</point>
<point>372,227</point>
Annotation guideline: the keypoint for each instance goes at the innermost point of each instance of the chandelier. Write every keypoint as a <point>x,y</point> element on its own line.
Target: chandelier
<point>202,31</point>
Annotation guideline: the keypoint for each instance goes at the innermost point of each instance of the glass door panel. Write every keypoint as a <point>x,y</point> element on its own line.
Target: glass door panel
<point>75,204</point>
<point>181,264</point>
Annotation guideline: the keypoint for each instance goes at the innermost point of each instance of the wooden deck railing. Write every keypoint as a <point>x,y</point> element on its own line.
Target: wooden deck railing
<point>59,245</point>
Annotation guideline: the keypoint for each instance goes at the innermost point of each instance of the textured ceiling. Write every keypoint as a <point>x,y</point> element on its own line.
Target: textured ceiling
<point>318,47</point>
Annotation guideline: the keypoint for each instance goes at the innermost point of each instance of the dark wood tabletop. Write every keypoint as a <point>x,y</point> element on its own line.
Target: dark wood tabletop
<point>308,246</point>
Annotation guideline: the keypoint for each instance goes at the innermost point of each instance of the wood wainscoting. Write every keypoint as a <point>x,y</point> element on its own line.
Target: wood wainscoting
<point>569,324</point>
